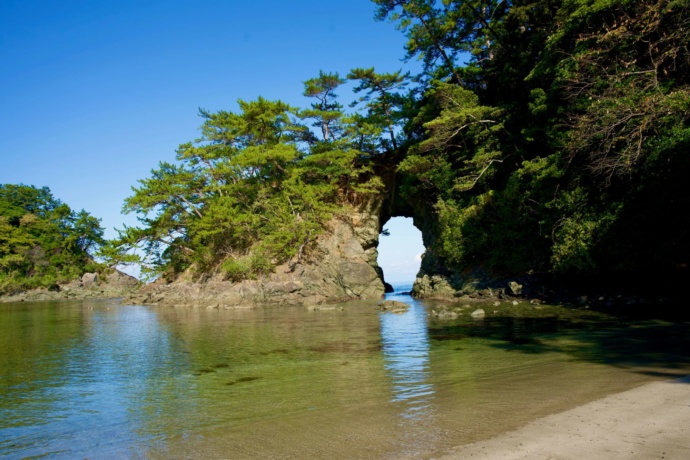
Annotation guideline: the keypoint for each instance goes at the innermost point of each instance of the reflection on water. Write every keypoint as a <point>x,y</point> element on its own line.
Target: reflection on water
<point>103,380</point>
<point>74,373</point>
<point>405,340</point>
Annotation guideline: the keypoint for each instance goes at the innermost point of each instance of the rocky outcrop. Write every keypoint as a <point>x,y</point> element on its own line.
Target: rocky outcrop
<point>107,285</point>
<point>433,286</point>
<point>343,267</point>
<point>434,281</point>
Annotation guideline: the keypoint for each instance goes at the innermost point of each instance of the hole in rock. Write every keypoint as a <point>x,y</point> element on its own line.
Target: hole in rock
<point>400,252</point>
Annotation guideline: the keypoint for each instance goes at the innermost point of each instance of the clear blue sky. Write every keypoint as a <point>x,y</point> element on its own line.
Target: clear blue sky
<point>400,252</point>
<point>93,94</point>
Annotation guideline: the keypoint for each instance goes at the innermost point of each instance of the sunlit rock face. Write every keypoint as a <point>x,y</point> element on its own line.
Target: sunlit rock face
<point>342,267</point>
<point>348,267</point>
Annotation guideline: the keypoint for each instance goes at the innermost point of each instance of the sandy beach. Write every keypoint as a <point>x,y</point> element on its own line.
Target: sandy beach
<point>648,422</point>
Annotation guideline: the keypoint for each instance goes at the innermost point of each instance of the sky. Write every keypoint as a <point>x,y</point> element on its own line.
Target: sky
<point>94,94</point>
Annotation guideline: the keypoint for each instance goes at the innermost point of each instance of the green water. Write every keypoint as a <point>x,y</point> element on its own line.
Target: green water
<point>103,380</point>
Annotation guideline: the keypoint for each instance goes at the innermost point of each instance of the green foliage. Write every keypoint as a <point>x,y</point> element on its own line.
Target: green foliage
<point>622,79</point>
<point>577,232</point>
<point>558,146</point>
<point>42,241</point>
<point>466,132</point>
<point>457,232</point>
<point>561,145</point>
<point>326,112</point>
<point>237,269</point>
<point>253,192</point>
<point>382,99</point>
<point>506,230</point>
<point>441,32</point>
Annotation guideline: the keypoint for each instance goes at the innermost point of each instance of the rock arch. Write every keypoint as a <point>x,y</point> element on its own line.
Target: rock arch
<point>343,266</point>
<point>369,220</point>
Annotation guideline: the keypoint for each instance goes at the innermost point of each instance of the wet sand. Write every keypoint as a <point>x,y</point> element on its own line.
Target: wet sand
<point>648,422</point>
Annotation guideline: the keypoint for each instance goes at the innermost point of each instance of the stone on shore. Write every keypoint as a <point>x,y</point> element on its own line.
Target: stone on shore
<point>514,288</point>
<point>89,280</point>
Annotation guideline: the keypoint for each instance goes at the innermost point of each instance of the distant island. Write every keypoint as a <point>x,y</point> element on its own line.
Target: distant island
<point>556,155</point>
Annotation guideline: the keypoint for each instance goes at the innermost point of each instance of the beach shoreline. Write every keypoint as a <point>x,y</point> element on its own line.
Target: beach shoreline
<point>650,421</point>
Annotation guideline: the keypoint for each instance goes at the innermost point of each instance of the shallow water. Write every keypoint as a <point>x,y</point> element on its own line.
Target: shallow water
<point>99,379</point>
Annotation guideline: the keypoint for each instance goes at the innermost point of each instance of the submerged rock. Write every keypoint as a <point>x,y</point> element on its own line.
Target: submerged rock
<point>393,306</point>
<point>444,314</point>
<point>478,314</point>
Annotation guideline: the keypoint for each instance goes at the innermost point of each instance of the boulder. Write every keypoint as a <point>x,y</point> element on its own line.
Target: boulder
<point>116,278</point>
<point>514,288</point>
<point>89,280</point>
<point>388,288</point>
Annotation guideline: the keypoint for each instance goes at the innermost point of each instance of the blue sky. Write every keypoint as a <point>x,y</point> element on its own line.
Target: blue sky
<point>95,93</point>
<point>400,252</point>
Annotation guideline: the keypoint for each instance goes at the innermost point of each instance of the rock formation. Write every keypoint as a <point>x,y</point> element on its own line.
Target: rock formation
<point>109,284</point>
<point>343,267</point>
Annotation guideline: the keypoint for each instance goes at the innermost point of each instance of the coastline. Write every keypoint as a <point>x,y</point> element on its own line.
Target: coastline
<point>110,284</point>
<point>492,404</point>
<point>650,421</point>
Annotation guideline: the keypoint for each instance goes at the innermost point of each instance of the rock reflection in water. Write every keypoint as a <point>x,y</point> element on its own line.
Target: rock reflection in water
<point>406,359</point>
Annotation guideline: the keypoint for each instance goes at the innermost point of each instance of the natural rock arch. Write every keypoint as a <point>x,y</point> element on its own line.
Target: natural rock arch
<point>343,266</point>
<point>433,278</point>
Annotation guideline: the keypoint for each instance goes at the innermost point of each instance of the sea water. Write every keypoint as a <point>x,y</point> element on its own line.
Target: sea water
<point>104,379</point>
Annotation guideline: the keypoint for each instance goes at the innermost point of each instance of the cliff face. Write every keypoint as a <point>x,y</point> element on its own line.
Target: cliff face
<point>343,267</point>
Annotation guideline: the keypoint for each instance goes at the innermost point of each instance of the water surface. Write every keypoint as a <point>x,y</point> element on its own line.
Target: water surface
<point>100,379</point>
